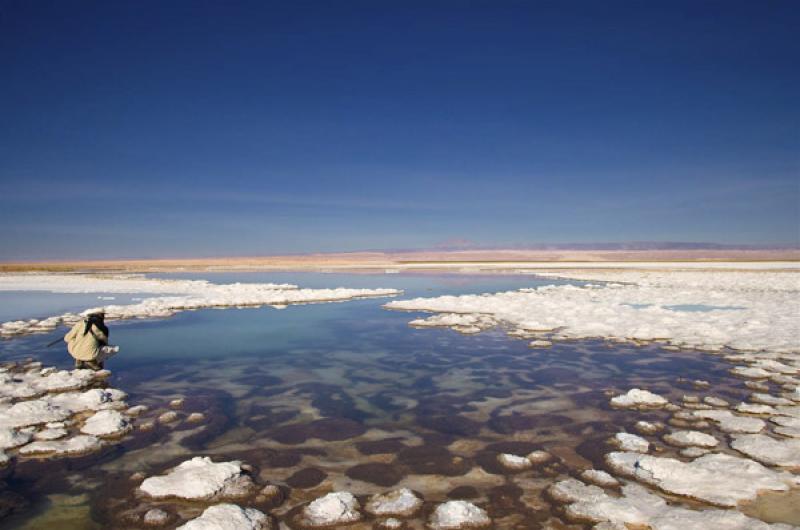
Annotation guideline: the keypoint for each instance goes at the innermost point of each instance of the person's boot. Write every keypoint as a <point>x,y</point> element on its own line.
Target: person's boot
<point>79,365</point>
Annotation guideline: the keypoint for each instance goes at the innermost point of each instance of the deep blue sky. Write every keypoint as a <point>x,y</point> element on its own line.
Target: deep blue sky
<point>156,128</point>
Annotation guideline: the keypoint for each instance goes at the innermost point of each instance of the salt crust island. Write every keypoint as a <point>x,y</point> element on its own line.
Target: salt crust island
<point>752,319</point>
<point>184,295</point>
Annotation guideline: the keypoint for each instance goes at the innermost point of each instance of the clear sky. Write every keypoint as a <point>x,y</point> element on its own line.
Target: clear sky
<point>170,128</point>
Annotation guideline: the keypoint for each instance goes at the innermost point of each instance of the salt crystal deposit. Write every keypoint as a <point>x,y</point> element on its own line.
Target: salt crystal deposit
<point>758,308</point>
<point>630,442</point>
<point>106,423</point>
<point>229,517</point>
<point>639,507</point>
<point>514,462</point>
<point>636,397</point>
<point>455,515</point>
<point>771,451</point>
<point>690,438</point>
<point>197,479</point>
<point>701,479</point>
<point>401,502</point>
<point>185,295</point>
<point>339,507</point>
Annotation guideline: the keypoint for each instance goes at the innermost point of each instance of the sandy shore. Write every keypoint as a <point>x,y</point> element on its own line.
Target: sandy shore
<point>421,260</point>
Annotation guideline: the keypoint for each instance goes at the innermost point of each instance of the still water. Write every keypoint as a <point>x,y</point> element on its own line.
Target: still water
<point>346,396</point>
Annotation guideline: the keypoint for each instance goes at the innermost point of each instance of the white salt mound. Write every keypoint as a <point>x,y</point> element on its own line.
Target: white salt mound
<point>106,423</point>
<point>76,445</point>
<point>638,507</point>
<point>401,502</point>
<point>771,451</point>
<point>601,478</point>
<point>691,438</point>
<point>229,517</point>
<point>454,515</point>
<point>637,397</point>
<point>717,478</point>
<point>155,517</point>
<point>514,462</point>
<point>198,478</point>
<point>630,442</point>
<point>339,507</point>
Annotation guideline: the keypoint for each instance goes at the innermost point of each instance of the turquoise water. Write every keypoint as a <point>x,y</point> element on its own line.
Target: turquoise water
<point>348,396</point>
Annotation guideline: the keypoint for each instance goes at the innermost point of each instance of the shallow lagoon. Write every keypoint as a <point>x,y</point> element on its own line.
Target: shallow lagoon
<point>348,396</point>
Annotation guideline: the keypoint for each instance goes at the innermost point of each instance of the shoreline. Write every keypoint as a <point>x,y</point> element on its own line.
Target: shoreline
<point>421,260</point>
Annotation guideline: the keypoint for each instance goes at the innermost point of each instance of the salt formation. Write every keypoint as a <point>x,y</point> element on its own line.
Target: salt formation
<point>636,397</point>
<point>38,407</point>
<point>638,507</point>
<point>740,309</point>
<point>106,423</point>
<point>601,478</point>
<point>630,442</point>
<point>401,502</point>
<point>731,423</point>
<point>185,295</point>
<point>690,438</point>
<point>771,451</point>
<point>514,462</point>
<point>199,479</point>
<point>702,478</point>
<point>455,515</point>
<point>339,507</point>
<point>76,445</point>
<point>229,517</point>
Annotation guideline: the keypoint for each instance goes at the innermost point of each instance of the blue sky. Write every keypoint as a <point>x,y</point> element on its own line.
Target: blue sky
<point>140,129</point>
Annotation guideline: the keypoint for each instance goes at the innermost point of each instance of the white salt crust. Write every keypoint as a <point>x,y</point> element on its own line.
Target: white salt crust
<point>701,479</point>
<point>637,397</point>
<point>514,462</point>
<point>455,515</point>
<point>195,479</point>
<point>228,517</point>
<point>638,507</point>
<point>630,442</point>
<point>339,507</point>
<point>770,451</point>
<point>186,295</point>
<point>748,310</point>
<point>691,438</point>
<point>38,404</point>
<point>400,502</point>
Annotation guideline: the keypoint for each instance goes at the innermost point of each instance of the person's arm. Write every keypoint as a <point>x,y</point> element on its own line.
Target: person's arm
<point>99,335</point>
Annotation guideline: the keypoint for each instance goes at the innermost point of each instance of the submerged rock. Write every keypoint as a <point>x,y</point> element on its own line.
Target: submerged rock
<point>155,517</point>
<point>339,507</point>
<point>229,517</point>
<point>455,515</point>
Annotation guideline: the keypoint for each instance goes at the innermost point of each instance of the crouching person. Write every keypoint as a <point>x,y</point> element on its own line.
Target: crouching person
<point>87,342</point>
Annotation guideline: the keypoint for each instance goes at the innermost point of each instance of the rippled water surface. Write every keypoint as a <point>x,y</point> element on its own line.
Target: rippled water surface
<point>348,396</point>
